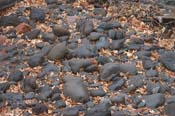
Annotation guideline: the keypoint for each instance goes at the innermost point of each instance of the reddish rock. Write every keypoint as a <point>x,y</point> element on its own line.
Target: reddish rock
<point>22,28</point>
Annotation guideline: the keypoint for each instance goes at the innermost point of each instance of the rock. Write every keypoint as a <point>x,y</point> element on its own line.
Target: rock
<point>103,60</point>
<point>60,31</point>
<point>14,99</point>
<point>117,44</point>
<point>102,43</point>
<point>29,85</point>
<point>4,87</point>
<point>167,59</point>
<point>60,104</point>
<point>51,1</point>
<point>36,60</point>
<point>77,64</point>
<point>57,52</point>
<point>48,37</point>
<point>75,89</point>
<point>22,28</point>
<point>55,97</point>
<point>39,109</point>
<point>6,3</point>
<point>109,25</point>
<point>151,73</point>
<point>169,109</point>
<point>135,44</point>
<point>33,34</point>
<point>91,68</point>
<point>84,51</point>
<point>97,92</point>
<point>29,95</point>
<point>10,20</point>
<point>154,100</point>
<point>110,70</point>
<point>148,64</point>
<point>16,76</point>
<point>119,98</point>
<point>99,11</point>
<point>101,109</point>
<point>45,93</point>
<point>119,35</point>
<point>116,85</point>
<point>45,50</point>
<point>94,36</point>
<point>136,81</point>
<point>85,26</point>
<point>70,111</point>
<point>143,54</point>
<point>37,14</point>
<point>111,33</point>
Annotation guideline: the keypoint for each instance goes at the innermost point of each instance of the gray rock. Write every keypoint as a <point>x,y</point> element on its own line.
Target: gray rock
<point>154,100</point>
<point>37,14</point>
<point>100,11</point>
<point>97,92</point>
<point>167,59</point>
<point>94,36</point>
<point>110,70</point>
<point>14,99</point>
<point>48,37</point>
<point>102,109</point>
<point>111,34</point>
<point>57,52</point>
<point>29,84</point>
<point>29,95</point>
<point>77,64</point>
<point>60,31</point>
<point>136,81</point>
<point>75,89</point>
<point>151,73</point>
<point>45,93</point>
<point>84,51</point>
<point>119,98</point>
<point>70,111</point>
<point>36,60</point>
<point>11,20</point>
<point>109,25</point>
<point>6,3</point>
<point>16,76</point>
<point>4,86</point>
<point>39,109</point>
<point>117,44</point>
<point>102,43</point>
<point>116,85</point>
<point>169,109</point>
<point>60,104</point>
<point>85,26</point>
<point>33,34</point>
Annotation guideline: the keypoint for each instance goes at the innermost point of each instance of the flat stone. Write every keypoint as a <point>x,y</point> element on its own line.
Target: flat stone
<point>37,14</point>
<point>75,89</point>
<point>85,26</point>
<point>60,31</point>
<point>57,52</point>
<point>36,60</point>
<point>169,109</point>
<point>16,76</point>
<point>39,109</point>
<point>101,109</point>
<point>167,59</point>
<point>154,100</point>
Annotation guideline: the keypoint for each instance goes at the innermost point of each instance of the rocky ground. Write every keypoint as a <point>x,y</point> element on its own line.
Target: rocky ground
<point>86,58</point>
